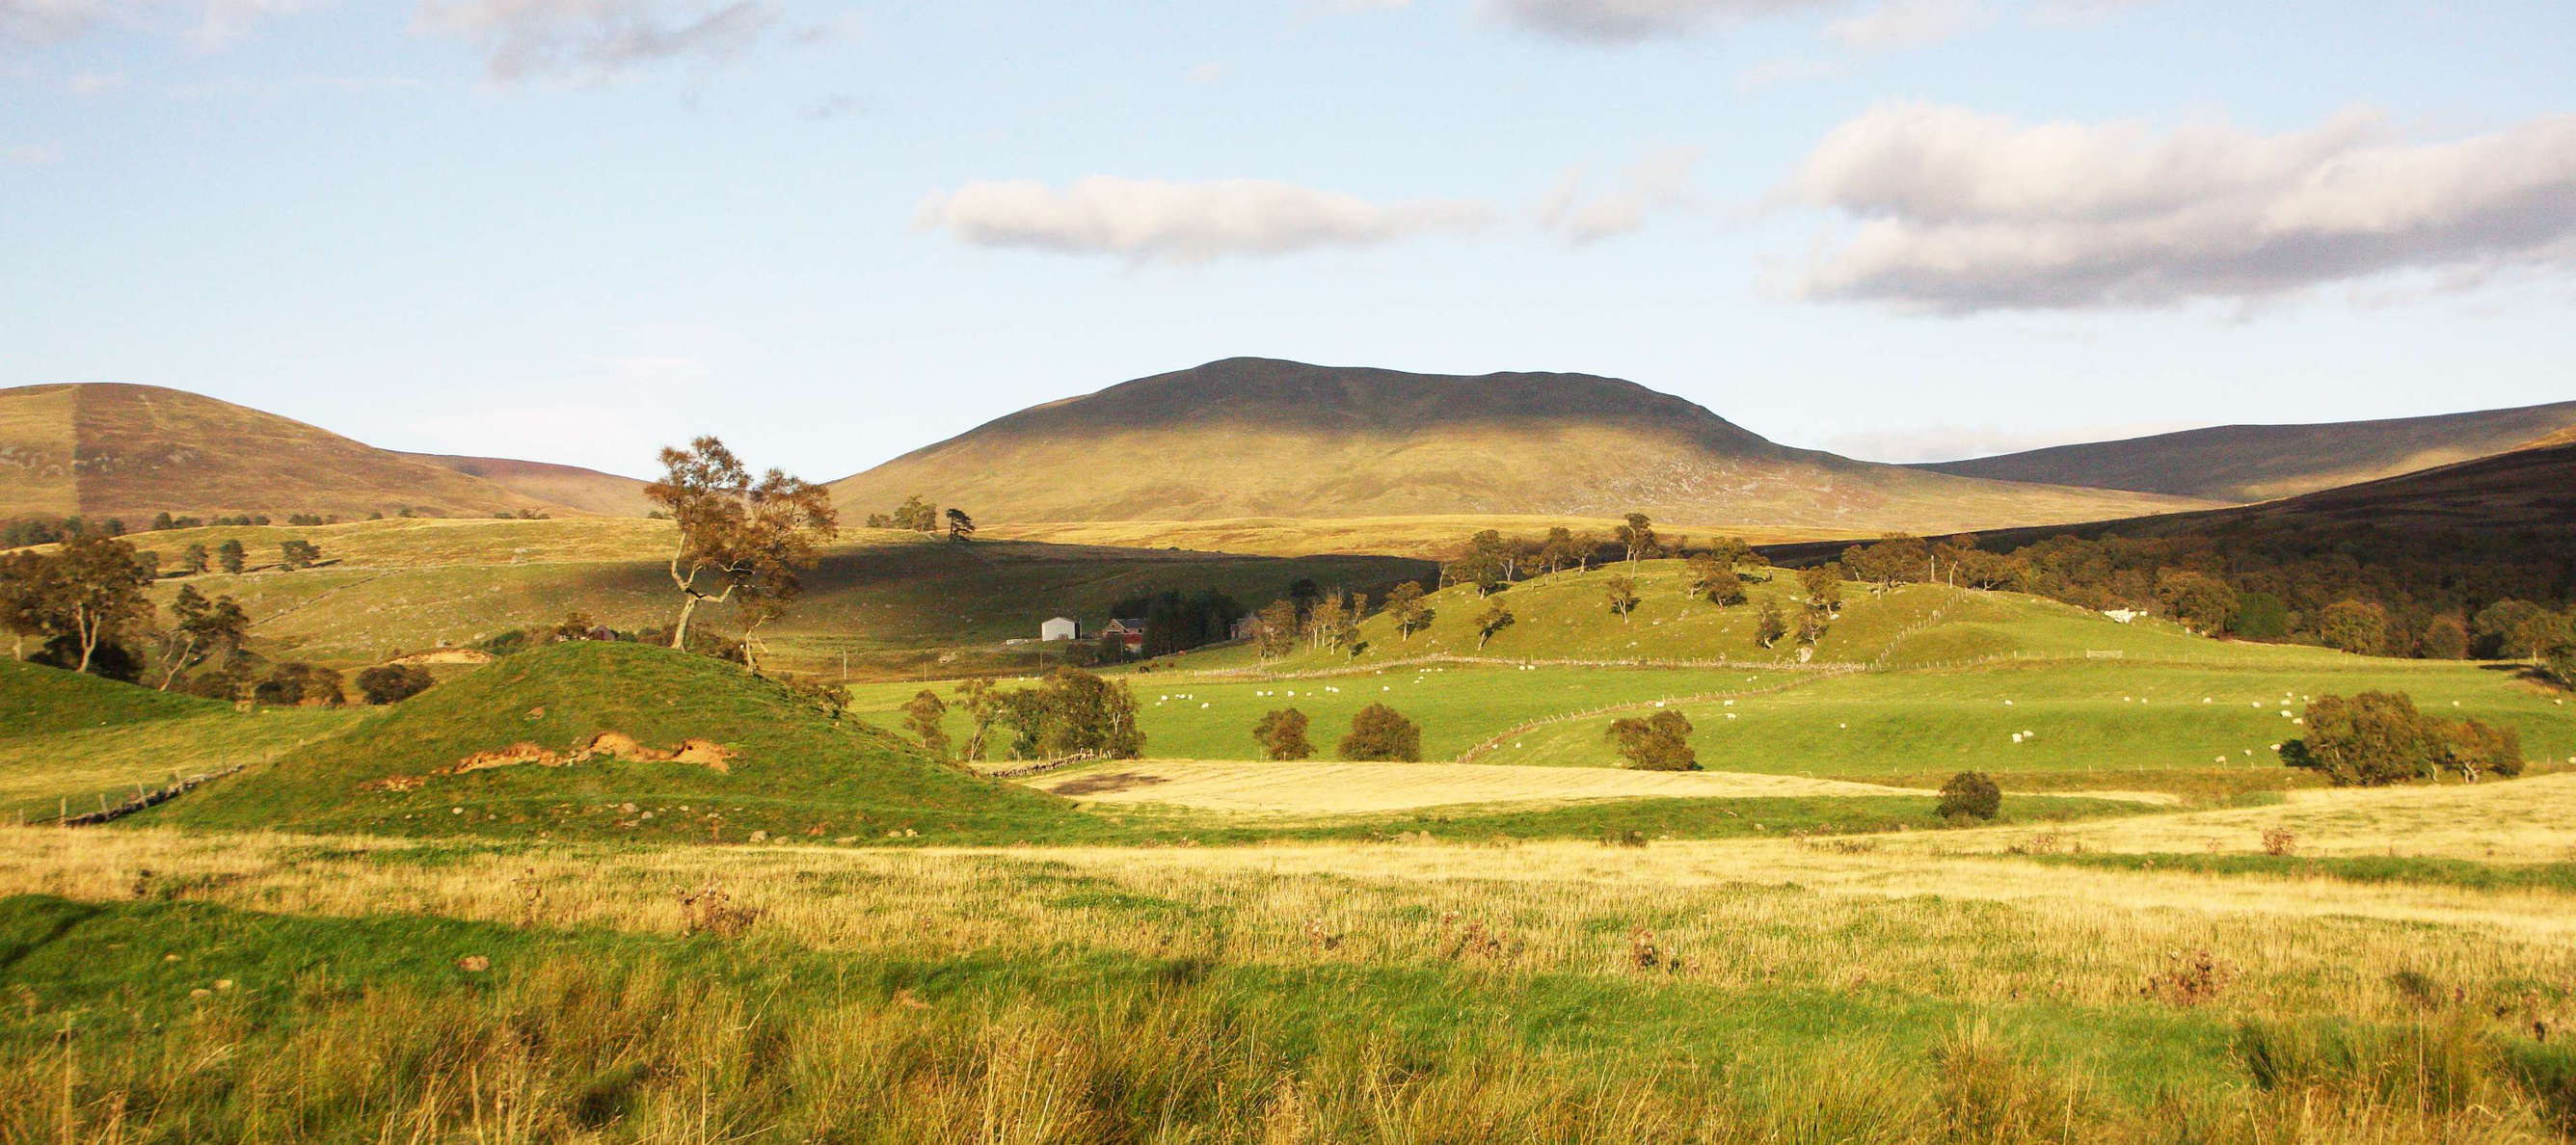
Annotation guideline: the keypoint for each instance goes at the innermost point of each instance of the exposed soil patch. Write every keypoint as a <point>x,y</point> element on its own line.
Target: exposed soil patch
<point>617,745</point>
<point>1094,784</point>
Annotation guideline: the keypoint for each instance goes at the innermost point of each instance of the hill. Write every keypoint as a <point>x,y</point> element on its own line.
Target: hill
<point>588,490</point>
<point>680,747</point>
<point>889,600</point>
<point>2261,462</point>
<point>1254,437</point>
<point>129,452</point>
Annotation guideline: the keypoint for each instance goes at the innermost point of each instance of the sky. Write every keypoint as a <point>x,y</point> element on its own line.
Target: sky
<point>575,230</point>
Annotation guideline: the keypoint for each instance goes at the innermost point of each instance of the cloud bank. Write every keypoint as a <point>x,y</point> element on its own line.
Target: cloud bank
<point>1146,220</point>
<point>1964,212</point>
<point>593,40</point>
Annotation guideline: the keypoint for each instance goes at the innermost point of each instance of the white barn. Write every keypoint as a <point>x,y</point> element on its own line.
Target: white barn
<point>1060,628</point>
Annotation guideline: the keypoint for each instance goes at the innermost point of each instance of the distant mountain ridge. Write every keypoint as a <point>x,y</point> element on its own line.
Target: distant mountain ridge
<point>589,490</point>
<point>1259,437</point>
<point>2244,463</point>
<point>103,450</point>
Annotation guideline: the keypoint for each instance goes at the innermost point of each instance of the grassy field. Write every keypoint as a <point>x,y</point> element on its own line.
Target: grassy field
<point>72,743</point>
<point>259,986</point>
<point>893,601</point>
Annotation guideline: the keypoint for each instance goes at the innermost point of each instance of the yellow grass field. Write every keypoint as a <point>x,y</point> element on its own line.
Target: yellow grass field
<point>1364,788</point>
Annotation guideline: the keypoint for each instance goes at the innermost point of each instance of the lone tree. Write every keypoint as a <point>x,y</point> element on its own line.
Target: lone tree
<point>231,557</point>
<point>1404,605</point>
<point>734,530</point>
<point>203,631</point>
<point>1493,619</point>
<point>1380,734</point>
<point>298,554</point>
<point>1636,537</point>
<point>1274,629</point>
<point>1970,795</point>
<point>1770,624</point>
<point>1823,585</point>
<point>195,559</point>
<point>1660,742</point>
<point>960,526</point>
<point>921,717</point>
<point>1282,735</point>
<point>1622,593</point>
<point>90,591</point>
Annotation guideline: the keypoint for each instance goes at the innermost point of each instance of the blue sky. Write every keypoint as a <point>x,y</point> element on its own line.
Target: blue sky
<point>575,229</point>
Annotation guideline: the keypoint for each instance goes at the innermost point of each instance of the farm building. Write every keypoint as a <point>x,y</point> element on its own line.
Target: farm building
<point>1128,632</point>
<point>1060,628</point>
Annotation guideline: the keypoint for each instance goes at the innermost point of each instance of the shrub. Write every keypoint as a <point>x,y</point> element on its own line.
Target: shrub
<point>1380,734</point>
<point>1970,795</point>
<point>1660,742</point>
<point>391,683</point>
<point>298,683</point>
<point>1282,735</point>
<point>2378,738</point>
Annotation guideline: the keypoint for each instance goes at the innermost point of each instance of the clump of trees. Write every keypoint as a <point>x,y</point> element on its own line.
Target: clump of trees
<point>2379,738</point>
<point>1178,622</point>
<point>393,683</point>
<point>296,683</point>
<point>750,536</point>
<point>1069,713</point>
<point>1659,742</point>
<point>84,597</point>
<point>918,515</point>
<point>1970,795</point>
<point>298,554</point>
<point>1381,734</point>
<point>1282,735</point>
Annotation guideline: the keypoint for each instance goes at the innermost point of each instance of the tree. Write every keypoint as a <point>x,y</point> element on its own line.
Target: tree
<point>1558,550</point>
<point>230,556</point>
<point>26,590</point>
<point>1380,734</point>
<point>1282,735</point>
<point>1895,559</point>
<point>960,526</point>
<point>735,530</point>
<point>393,683</point>
<point>2559,663</point>
<point>1483,562</point>
<point>296,683</point>
<point>2200,601</point>
<point>1621,591</point>
<point>2445,638</point>
<point>1970,795</point>
<point>1812,623</point>
<point>94,591</point>
<point>194,559</point>
<point>1823,585</point>
<point>202,631</point>
<point>1404,606</point>
<point>922,716</point>
<point>2369,740</point>
<point>917,515</point>
<point>2355,626</point>
<point>1770,624</point>
<point>2471,749</point>
<point>1712,578</point>
<point>1083,714</point>
<point>297,554</point>
<point>982,708</point>
<point>2519,629</point>
<point>1275,629</point>
<point>1660,742</point>
<point>1493,619</point>
<point>1636,537</point>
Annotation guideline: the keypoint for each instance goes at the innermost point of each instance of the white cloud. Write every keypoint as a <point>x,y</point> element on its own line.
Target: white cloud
<point>1148,219</point>
<point>1967,212</point>
<point>1628,21</point>
<point>1205,73</point>
<point>1659,181</point>
<point>1954,442</point>
<point>1898,24</point>
<point>92,83</point>
<point>2066,12</point>
<point>214,22</point>
<point>594,39</point>
<point>31,154</point>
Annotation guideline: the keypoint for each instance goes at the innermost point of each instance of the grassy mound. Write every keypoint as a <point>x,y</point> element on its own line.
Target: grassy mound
<point>37,700</point>
<point>785,768</point>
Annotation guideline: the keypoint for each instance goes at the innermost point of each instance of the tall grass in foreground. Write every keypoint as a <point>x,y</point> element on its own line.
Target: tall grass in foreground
<point>708,1040</point>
